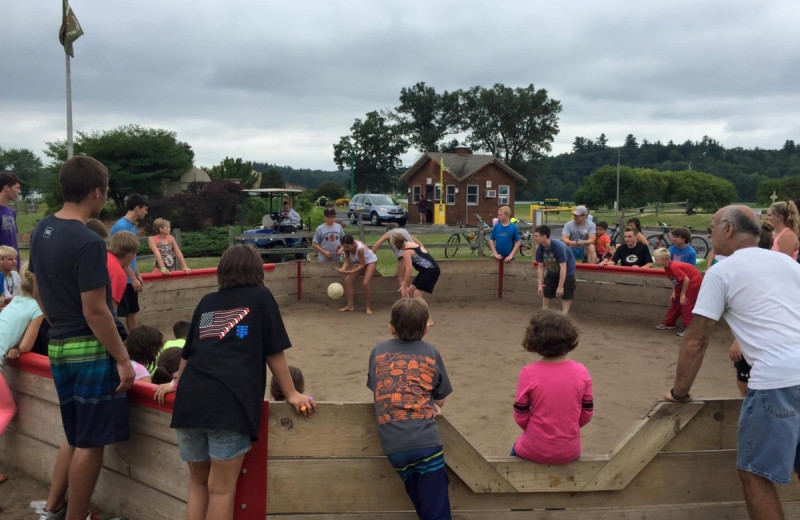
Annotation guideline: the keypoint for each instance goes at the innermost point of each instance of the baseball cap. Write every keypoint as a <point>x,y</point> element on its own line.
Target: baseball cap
<point>580,210</point>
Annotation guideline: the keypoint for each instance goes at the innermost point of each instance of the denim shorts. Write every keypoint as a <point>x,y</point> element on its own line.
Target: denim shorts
<point>198,445</point>
<point>769,433</point>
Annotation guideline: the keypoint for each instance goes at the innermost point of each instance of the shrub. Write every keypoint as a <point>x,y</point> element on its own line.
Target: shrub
<point>343,202</point>
<point>211,241</point>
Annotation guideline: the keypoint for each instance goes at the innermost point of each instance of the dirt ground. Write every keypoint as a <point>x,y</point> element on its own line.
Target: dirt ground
<point>631,363</point>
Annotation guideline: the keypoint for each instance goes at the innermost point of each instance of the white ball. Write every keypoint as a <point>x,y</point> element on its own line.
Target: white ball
<point>335,291</point>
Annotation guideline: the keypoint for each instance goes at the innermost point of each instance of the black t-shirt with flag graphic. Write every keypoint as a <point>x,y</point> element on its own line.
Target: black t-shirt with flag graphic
<point>232,333</point>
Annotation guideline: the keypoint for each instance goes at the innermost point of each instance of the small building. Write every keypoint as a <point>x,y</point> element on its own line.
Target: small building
<point>192,175</point>
<point>472,183</point>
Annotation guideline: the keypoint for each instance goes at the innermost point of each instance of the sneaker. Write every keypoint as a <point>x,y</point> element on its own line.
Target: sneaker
<point>52,515</point>
<point>680,333</point>
<point>661,326</point>
<point>38,505</point>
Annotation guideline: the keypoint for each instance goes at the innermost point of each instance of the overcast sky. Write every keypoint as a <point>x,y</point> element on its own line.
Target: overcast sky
<point>281,82</point>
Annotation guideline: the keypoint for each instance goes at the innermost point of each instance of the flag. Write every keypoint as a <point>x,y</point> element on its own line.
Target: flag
<point>70,28</point>
<point>216,324</point>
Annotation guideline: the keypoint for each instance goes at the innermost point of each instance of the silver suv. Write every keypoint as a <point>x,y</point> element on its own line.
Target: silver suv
<point>377,209</point>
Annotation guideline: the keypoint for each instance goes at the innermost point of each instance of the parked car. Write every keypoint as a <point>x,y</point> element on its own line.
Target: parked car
<point>377,209</point>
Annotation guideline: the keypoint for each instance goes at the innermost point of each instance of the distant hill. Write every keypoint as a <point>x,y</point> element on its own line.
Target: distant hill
<point>304,177</point>
<point>561,175</point>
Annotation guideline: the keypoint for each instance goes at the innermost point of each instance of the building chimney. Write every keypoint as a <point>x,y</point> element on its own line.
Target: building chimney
<point>462,150</point>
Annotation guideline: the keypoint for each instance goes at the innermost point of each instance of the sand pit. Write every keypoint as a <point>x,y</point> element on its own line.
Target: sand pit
<point>632,364</point>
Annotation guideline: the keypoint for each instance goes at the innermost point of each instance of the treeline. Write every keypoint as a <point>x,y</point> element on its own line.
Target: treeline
<point>305,177</point>
<point>746,169</point>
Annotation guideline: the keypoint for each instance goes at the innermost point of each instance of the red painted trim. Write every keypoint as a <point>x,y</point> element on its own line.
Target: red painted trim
<point>33,363</point>
<point>500,280</point>
<point>196,273</point>
<point>616,269</point>
<point>250,502</point>
<point>299,280</point>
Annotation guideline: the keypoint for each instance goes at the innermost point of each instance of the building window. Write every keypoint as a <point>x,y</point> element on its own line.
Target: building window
<point>437,192</point>
<point>415,194</point>
<point>472,194</point>
<point>451,195</point>
<point>503,195</point>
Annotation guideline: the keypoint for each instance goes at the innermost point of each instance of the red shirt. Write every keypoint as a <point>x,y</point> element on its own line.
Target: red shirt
<point>677,271</point>
<point>118,277</point>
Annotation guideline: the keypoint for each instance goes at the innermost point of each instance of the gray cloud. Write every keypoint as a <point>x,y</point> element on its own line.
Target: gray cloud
<point>281,83</point>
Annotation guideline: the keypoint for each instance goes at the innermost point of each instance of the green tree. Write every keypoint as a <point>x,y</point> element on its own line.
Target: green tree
<point>376,146</point>
<point>139,159</point>
<point>330,190</point>
<point>26,166</point>
<point>426,117</point>
<point>700,190</point>
<point>234,170</point>
<point>512,124</point>
<point>272,178</point>
<point>637,187</point>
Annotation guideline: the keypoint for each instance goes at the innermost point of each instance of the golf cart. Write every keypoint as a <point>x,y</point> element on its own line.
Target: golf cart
<point>275,231</point>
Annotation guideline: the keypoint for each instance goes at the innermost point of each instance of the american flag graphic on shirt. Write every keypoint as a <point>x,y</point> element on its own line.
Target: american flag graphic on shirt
<point>216,324</point>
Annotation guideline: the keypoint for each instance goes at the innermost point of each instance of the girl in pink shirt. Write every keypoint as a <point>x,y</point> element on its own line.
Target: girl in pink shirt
<point>554,395</point>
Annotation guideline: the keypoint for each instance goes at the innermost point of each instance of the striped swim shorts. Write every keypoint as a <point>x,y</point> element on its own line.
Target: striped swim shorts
<point>86,378</point>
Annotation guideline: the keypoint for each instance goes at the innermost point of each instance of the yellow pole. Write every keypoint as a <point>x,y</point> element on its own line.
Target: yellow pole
<point>439,214</point>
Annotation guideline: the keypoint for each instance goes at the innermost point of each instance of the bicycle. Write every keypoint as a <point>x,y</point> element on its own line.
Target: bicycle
<point>453,242</point>
<point>665,240</point>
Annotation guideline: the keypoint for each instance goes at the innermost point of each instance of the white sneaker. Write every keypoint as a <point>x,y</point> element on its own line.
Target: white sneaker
<point>51,515</point>
<point>681,333</point>
<point>661,326</point>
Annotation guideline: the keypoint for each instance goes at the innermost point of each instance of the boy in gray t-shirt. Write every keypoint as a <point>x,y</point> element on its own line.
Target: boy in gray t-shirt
<point>328,238</point>
<point>410,383</point>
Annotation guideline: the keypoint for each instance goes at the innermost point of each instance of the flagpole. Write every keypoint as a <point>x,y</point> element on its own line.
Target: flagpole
<point>69,108</point>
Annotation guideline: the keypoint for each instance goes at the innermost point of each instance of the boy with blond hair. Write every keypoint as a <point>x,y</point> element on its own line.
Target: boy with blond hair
<point>504,240</point>
<point>8,268</point>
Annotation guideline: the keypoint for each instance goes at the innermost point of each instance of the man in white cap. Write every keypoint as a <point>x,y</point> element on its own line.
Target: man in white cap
<point>579,234</point>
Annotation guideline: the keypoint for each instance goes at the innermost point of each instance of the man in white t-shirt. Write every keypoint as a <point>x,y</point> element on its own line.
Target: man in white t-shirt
<point>753,290</point>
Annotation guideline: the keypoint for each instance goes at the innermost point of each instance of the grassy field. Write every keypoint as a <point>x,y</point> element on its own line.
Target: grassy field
<point>387,262</point>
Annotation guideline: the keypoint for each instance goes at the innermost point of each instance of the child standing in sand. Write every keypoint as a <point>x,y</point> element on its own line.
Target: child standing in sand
<point>554,395</point>
<point>359,260</point>
<point>410,383</point>
<point>687,280</point>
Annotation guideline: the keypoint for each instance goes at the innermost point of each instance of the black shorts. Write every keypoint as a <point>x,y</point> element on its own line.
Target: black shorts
<point>426,280</point>
<point>551,284</point>
<point>129,303</point>
<point>742,370</point>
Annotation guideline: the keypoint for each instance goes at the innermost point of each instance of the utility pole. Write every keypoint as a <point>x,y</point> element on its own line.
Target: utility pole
<point>616,208</point>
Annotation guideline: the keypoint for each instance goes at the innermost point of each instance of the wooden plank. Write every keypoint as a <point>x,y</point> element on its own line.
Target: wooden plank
<point>22,382</point>
<point>715,427</point>
<point>725,511</point>
<point>634,451</point>
<point>526,476</point>
<point>369,484</point>
<point>466,462</point>
<point>137,502</point>
<point>338,430</point>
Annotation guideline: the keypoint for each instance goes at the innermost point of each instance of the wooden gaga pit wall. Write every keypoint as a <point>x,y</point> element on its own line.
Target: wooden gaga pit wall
<point>678,462</point>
